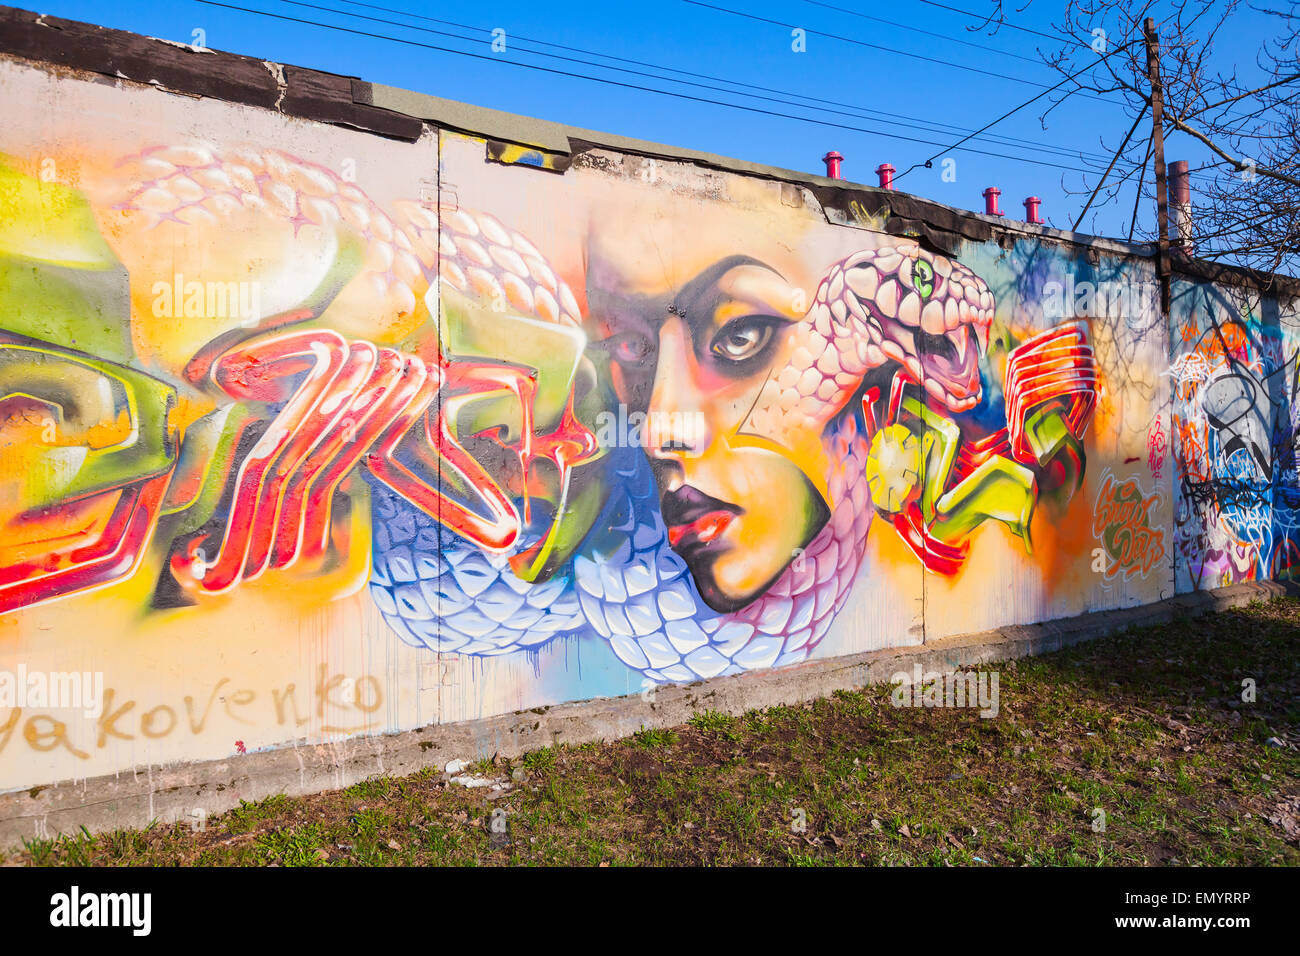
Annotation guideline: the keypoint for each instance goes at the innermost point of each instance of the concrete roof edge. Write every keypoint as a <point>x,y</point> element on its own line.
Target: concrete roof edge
<point>560,138</point>
<point>567,140</point>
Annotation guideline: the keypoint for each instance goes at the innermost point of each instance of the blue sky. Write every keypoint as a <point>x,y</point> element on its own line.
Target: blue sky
<point>934,99</point>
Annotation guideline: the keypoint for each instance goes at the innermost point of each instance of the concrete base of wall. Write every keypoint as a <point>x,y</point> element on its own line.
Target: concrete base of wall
<point>188,791</point>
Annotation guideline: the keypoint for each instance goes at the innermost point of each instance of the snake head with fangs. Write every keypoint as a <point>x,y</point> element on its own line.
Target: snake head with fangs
<point>896,303</point>
<point>926,312</point>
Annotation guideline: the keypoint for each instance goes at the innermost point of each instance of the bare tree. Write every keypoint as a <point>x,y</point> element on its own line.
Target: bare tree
<point>1243,119</point>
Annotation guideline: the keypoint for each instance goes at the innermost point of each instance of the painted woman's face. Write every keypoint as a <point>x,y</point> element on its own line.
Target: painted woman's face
<point>738,508</point>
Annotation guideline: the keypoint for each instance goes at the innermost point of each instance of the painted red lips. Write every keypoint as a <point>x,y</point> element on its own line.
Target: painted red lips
<point>703,529</point>
<point>695,519</point>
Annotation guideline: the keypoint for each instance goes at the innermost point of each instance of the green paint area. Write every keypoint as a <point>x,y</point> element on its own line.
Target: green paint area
<point>59,280</point>
<point>999,489</point>
<point>65,350</point>
<point>104,425</point>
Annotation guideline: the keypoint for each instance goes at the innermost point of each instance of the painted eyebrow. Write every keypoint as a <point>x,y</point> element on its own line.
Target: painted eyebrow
<point>685,303</point>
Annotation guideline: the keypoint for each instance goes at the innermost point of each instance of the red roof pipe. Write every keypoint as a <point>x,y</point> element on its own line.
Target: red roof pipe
<point>991,201</point>
<point>1180,185</point>
<point>886,173</point>
<point>1032,215</point>
<point>832,161</point>
<point>1180,191</point>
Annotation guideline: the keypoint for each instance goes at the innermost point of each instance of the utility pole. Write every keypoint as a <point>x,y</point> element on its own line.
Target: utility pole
<point>1158,149</point>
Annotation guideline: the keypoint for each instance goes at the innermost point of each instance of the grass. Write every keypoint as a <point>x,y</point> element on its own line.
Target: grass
<point>1132,750</point>
<point>654,739</point>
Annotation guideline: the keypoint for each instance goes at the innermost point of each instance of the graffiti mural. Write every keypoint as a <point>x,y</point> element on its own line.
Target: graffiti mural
<point>308,434</point>
<point>727,540</point>
<point>1235,394</point>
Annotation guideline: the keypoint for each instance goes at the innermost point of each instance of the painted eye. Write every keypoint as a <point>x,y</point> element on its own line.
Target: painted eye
<point>742,339</point>
<point>923,278</point>
<point>630,348</point>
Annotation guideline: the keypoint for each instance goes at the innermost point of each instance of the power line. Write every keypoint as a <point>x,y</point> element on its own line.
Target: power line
<point>886,49</point>
<point>1057,39</point>
<point>1101,182</point>
<point>928,162</point>
<point>945,36</point>
<point>1137,196</point>
<point>929,33</point>
<point>986,19</point>
<point>858,111</point>
<point>610,82</point>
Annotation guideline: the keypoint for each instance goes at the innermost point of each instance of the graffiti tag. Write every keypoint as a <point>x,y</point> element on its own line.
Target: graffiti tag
<point>1131,542</point>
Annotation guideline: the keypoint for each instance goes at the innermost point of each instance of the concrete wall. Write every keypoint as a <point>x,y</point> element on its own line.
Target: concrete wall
<point>328,415</point>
